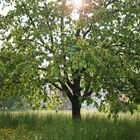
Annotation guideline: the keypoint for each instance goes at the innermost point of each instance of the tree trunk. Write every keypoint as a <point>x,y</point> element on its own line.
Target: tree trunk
<point>76,109</point>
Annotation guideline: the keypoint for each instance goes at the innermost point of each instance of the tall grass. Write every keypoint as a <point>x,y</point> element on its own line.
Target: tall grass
<point>41,125</point>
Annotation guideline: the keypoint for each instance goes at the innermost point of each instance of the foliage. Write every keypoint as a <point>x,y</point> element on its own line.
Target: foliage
<point>79,57</point>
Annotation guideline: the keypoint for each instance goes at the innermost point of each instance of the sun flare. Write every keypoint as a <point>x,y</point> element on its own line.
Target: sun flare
<point>77,3</point>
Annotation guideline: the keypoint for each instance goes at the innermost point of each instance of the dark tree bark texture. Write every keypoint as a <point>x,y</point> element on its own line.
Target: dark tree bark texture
<point>76,109</point>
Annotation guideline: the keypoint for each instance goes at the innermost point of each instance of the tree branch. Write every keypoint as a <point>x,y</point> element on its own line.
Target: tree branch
<point>85,33</point>
<point>69,83</point>
<point>76,83</point>
<point>26,10</point>
<point>87,88</point>
<point>110,2</point>
<point>51,36</point>
<point>43,69</point>
<point>66,89</point>
<point>54,84</point>
<point>88,93</point>
<point>77,34</point>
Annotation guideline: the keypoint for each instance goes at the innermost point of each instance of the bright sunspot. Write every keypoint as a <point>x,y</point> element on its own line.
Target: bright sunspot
<point>77,3</point>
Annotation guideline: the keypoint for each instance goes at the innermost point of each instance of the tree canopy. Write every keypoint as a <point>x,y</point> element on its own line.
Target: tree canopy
<point>78,50</point>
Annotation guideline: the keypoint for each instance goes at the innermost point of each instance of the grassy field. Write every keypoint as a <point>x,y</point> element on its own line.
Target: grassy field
<point>41,125</point>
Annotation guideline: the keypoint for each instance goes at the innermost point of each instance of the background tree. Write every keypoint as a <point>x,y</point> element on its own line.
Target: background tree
<point>79,50</point>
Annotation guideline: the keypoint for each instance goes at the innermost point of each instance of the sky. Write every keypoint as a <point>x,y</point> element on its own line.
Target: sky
<point>76,4</point>
<point>4,11</point>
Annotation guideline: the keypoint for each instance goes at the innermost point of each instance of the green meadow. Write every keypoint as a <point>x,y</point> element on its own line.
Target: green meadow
<point>43,125</point>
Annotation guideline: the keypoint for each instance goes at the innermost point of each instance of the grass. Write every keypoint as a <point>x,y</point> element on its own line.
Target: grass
<point>41,125</point>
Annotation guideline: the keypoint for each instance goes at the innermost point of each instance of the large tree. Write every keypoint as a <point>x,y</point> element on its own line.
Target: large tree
<point>78,50</point>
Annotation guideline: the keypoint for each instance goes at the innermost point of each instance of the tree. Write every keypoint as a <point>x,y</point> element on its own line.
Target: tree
<point>85,49</point>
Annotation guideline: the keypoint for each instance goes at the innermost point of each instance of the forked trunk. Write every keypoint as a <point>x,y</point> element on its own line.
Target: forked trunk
<point>76,109</point>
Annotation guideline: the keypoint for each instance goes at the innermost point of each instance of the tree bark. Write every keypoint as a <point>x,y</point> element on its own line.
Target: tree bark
<point>76,109</point>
